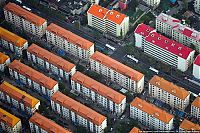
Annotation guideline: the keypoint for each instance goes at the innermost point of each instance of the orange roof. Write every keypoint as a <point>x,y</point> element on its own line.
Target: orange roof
<point>12,38</point>
<point>134,130</point>
<point>152,110</point>
<point>8,118</point>
<point>196,102</point>
<point>33,74</point>
<point>69,36</point>
<point>3,58</point>
<point>98,87</point>
<point>103,13</point>
<point>18,95</point>
<point>47,124</point>
<point>50,57</point>
<point>17,10</point>
<point>169,87</point>
<point>79,108</point>
<point>117,66</point>
<point>188,125</point>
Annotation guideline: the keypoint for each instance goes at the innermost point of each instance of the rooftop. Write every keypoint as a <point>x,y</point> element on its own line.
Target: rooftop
<point>79,108</point>
<point>169,87</point>
<point>135,130</point>
<point>15,9</point>
<point>143,30</point>
<point>18,94</point>
<point>12,38</point>
<point>47,124</point>
<point>98,87</point>
<point>169,45</point>
<point>69,36</point>
<point>197,60</point>
<point>3,58</point>
<point>33,74</point>
<point>152,110</point>
<point>188,125</point>
<point>117,66</point>
<point>168,19</point>
<point>8,118</point>
<point>50,57</point>
<point>196,102</point>
<point>104,13</point>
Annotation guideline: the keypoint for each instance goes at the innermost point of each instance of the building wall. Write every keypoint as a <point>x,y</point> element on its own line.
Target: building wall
<point>196,71</point>
<point>197,6</point>
<point>2,66</point>
<point>16,129</point>
<point>138,40</point>
<point>152,3</point>
<point>195,111</point>
<point>164,28</point>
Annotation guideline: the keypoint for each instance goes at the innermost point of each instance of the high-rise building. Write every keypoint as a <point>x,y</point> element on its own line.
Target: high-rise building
<point>188,126</point>
<point>4,61</point>
<point>195,108</point>
<point>117,72</point>
<point>25,20</point>
<point>196,67</point>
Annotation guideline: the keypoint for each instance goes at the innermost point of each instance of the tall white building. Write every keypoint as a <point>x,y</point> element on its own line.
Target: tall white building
<point>41,124</point>
<point>150,115</point>
<point>163,49</point>
<point>117,72</point>
<point>24,19</point>
<point>9,123</point>
<point>78,113</point>
<point>12,42</point>
<point>188,126</point>
<point>108,21</point>
<point>106,97</point>
<point>50,62</point>
<point>69,42</point>
<point>152,3</point>
<point>195,108</point>
<point>197,6</point>
<point>196,67</point>
<point>33,79</point>
<point>167,92</point>
<point>4,61</point>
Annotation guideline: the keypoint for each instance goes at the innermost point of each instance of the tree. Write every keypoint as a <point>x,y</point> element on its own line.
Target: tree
<point>185,4</point>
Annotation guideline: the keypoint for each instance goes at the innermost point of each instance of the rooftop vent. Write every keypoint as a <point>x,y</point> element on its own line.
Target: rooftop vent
<point>179,48</point>
<point>140,105</point>
<point>147,30</point>
<point>100,10</point>
<point>111,13</point>
<point>152,35</point>
<point>159,38</point>
<point>174,91</point>
<point>194,34</point>
<point>173,45</point>
<point>164,18</point>
<point>166,47</point>
<point>117,16</point>
<point>153,41</point>
<point>156,114</point>
<point>180,54</point>
<point>166,41</point>
<point>157,83</point>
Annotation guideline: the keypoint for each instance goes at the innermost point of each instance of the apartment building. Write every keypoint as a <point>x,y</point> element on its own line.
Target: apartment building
<point>179,32</point>
<point>9,123</point>
<point>4,61</point>
<point>78,113</point>
<point>41,124</point>
<point>196,67</point>
<point>19,99</point>
<point>152,3</point>
<point>69,42</point>
<point>24,19</point>
<point>169,93</point>
<point>117,72</point>
<point>135,130</point>
<point>150,115</point>
<point>195,108</point>
<point>108,21</point>
<point>106,97</point>
<point>50,62</point>
<point>33,79</point>
<point>188,126</point>
<point>94,1</point>
<point>197,6</point>
<point>12,41</point>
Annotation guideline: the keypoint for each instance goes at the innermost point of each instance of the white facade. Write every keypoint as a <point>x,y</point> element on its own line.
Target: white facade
<point>69,42</point>
<point>78,113</point>
<point>24,19</point>
<point>99,93</point>
<point>4,61</point>
<point>150,115</point>
<point>196,67</point>
<point>117,72</point>
<point>111,22</point>
<point>152,3</point>
<point>197,6</point>
<point>195,108</point>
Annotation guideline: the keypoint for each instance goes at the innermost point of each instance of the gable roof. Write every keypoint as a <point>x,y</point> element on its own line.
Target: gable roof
<point>189,126</point>
<point>196,102</point>
<point>3,58</point>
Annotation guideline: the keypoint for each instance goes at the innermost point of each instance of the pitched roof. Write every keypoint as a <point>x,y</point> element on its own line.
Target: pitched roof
<point>143,29</point>
<point>33,74</point>
<point>168,19</point>
<point>47,124</point>
<point>79,108</point>
<point>197,60</point>
<point>152,110</point>
<point>12,38</point>
<point>135,130</point>
<point>117,66</point>
<point>98,87</point>
<point>3,58</point>
<point>169,87</point>
<point>50,57</point>
<point>169,45</point>
<point>196,102</point>
<point>69,36</point>
<point>8,118</point>
<point>17,10</point>
<point>189,126</point>
<point>18,94</point>
<point>103,13</point>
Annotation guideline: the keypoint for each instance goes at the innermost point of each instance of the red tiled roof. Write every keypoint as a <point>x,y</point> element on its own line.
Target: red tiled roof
<point>143,29</point>
<point>168,45</point>
<point>98,11</point>
<point>197,60</point>
<point>187,32</point>
<point>189,126</point>
<point>196,102</point>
